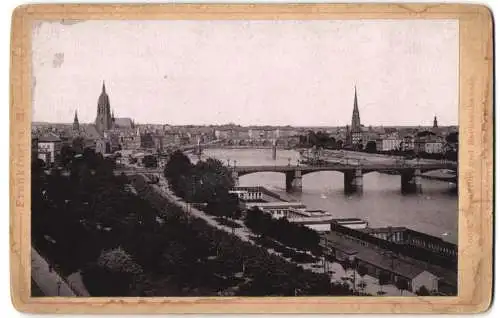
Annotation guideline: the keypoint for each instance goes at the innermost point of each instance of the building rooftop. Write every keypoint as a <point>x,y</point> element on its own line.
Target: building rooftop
<point>310,220</point>
<point>384,229</point>
<point>124,122</point>
<point>50,137</point>
<point>90,132</point>
<point>347,219</point>
<point>270,205</point>
<point>375,257</point>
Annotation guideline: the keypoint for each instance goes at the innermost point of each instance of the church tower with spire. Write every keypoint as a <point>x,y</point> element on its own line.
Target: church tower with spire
<point>355,122</point>
<point>356,131</point>
<point>103,120</point>
<point>435,128</point>
<point>76,124</point>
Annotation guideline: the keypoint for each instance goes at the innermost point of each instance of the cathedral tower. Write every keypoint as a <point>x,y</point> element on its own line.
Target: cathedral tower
<point>103,120</point>
<point>76,124</point>
<point>355,122</point>
<point>355,134</point>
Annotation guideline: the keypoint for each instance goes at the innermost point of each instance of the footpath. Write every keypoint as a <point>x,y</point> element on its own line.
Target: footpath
<point>50,282</point>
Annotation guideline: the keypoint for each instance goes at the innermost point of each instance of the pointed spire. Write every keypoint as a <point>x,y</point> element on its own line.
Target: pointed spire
<point>355,122</point>
<point>76,125</point>
<point>103,87</point>
<point>356,99</point>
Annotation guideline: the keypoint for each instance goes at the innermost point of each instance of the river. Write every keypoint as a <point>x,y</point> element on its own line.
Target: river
<point>434,212</point>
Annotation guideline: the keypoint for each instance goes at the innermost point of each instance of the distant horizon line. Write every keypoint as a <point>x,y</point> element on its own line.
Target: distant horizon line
<point>260,125</point>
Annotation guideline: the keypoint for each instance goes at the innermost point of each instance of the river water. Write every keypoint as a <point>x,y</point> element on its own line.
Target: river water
<point>435,211</point>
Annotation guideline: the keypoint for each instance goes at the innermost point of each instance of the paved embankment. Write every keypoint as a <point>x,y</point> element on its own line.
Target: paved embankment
<point>47,280</point>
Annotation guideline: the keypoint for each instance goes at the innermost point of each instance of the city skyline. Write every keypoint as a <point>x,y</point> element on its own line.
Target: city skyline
<point>176,82</point>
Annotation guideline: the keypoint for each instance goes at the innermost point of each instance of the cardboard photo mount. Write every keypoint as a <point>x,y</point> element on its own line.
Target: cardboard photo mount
<point>475,270</point>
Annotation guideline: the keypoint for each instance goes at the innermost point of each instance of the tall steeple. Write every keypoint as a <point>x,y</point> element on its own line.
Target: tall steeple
<point>355,122</point>
<point>435,125</point>
<point>76,124</point>
<point>103,120</point>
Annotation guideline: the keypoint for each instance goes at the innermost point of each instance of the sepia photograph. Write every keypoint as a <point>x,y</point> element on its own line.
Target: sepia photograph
<point>190,158</point>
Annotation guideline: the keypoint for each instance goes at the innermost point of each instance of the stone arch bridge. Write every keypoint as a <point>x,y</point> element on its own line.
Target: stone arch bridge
<point>411,174</point>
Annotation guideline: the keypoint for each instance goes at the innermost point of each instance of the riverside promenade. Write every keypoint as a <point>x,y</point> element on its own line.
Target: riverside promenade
<point>50,283</point>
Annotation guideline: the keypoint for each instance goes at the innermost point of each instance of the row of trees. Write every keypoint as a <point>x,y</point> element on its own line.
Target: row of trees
<point>206,181</point>
<point>75,217</point>
<point>282,230</point>
<point>320,140</point>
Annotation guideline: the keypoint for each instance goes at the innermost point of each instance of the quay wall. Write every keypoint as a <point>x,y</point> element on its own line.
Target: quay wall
<point>416,252</point>
<point>264,191</point>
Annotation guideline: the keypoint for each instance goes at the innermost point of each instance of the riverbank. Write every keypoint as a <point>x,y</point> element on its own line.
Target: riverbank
<point>50,283</point>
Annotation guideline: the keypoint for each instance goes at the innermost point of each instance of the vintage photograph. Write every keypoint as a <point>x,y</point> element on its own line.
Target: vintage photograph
<point>180,158</point>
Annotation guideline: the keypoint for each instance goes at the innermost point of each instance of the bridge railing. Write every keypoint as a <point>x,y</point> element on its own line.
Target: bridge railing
<point>398,165</point>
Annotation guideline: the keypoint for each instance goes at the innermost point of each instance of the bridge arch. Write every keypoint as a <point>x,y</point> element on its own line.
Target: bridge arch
<point>369,171</point>
<point>424,169</point>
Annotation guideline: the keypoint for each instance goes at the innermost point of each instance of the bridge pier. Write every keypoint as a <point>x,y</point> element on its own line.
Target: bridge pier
<point>294,181</point>
<point>411,181</point>
<point>353,181</point>
<point>236,178</point>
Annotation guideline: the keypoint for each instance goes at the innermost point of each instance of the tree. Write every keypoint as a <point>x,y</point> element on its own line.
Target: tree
<point>452,138</point>
<point>362,271</point>
<point>150,161</point>
<point>383,278</point>
<point>371,147</point>
<point>37,165</point>
<point>359,146</point>
<point>351,265</point>
<point>340,144</point>
<point>178,165</point>
<point>114,274</point>
<point>78,145</point>
<point>132,160</point>
<point>66,155</point>
<point>147,141</point>
<point>401,284</point>
<point>423,291</point>
<point>425,133</point>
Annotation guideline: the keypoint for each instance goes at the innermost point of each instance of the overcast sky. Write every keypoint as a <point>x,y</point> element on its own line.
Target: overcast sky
<point>249,72</point>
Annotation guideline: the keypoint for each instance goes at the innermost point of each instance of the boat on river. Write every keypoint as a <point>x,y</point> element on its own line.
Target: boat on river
<point>352,223</point>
